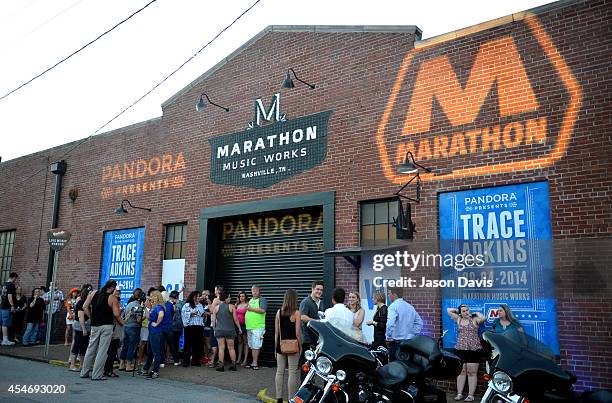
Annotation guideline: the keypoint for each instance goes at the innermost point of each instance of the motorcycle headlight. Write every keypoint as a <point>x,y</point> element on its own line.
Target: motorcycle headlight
<point>324,365</point>
<point>341,375</point>
<point>502,382</point>
<point>309,355</point>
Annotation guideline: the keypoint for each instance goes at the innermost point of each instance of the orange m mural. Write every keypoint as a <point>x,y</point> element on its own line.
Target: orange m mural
<point>497,65</point>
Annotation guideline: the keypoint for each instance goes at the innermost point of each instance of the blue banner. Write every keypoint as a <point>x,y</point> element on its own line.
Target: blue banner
<point>122,259</point>
<point>509,226</point>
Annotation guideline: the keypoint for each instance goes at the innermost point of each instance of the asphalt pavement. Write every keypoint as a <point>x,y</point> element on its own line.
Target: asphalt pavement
<point>57,384</point>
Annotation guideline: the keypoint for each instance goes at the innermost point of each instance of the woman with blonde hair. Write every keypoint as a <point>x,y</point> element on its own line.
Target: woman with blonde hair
<point>156,316</point>
<point>379,321</point>
<point>287,336</point>
<point>354,305</point>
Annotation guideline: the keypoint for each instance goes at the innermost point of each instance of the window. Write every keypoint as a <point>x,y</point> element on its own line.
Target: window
<point>377,222</point>
<point>7,244</point>
<point>176,238</point>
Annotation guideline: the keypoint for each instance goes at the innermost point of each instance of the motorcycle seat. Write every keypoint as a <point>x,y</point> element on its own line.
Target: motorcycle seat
<point>395,373</point>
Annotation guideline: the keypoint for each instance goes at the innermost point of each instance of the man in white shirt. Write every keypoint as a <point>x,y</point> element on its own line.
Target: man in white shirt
<point>339,316</point>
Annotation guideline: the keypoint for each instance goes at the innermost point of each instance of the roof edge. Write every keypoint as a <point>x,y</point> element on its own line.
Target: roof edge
<point>410,29</point>
<point>482,26</point>
<point>47,152</point>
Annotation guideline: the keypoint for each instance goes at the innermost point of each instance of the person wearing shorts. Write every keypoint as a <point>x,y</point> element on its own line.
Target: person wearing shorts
<point>468,348</point>
<point>225,323</point>
<point>8,307</point>
<point>255,319</point>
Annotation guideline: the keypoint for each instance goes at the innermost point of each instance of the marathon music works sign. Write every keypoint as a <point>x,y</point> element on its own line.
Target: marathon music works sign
<point>265,154</point>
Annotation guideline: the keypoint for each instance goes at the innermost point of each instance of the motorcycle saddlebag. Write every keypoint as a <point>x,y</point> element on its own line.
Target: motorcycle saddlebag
<point>449,367</point>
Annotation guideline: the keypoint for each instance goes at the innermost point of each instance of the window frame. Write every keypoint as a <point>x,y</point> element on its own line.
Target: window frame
<point>7,253</point>
<point>181,242</point>
<point>388,240</point>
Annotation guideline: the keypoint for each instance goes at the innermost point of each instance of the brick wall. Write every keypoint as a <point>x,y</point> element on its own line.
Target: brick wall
<point>356,74</point>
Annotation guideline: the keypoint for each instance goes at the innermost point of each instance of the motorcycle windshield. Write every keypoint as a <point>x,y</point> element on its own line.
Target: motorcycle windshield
<point>520,353</point>
<point>336,345</point>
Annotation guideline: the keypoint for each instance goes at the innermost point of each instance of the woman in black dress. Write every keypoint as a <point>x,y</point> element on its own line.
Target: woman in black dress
<point>379,321</point>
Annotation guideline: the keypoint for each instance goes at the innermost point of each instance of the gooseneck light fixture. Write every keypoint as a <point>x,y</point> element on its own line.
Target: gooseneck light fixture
<point>200,105</point>
<point>403,222</point>
<point>408,167</point>
<point>288,82</point>
<point>122,210</point>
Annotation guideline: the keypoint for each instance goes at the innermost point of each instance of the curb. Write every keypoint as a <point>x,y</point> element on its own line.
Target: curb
<point>263,396</point>
<point>21,357</point>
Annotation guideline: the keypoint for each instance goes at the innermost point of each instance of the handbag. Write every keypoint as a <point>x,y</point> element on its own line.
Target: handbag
<point>290,346</point>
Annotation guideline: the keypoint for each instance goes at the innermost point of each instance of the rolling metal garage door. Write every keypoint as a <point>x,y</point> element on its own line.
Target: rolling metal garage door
<point>276,250</point>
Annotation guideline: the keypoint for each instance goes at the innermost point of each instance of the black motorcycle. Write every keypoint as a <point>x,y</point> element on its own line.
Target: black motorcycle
<point>342,369</point>
<point>522,369</point>
<point>419,360</point>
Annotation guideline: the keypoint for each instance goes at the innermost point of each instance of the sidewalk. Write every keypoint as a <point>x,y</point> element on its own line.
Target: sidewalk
<point>244,381</point>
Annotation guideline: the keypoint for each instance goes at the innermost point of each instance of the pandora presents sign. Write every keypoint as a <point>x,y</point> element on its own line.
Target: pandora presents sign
<point>261,156</point>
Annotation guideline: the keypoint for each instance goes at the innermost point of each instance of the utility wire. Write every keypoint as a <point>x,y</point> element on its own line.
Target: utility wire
<point>11,15</point>
<point>81,142</point>
<point>76,51</point>
<point>39,26</point>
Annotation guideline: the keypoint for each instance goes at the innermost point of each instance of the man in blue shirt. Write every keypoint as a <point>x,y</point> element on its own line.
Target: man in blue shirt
<point>403,322</point>
<point>167,332</point>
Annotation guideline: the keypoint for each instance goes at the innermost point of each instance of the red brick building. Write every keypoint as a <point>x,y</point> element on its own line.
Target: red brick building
<point>519,99</point>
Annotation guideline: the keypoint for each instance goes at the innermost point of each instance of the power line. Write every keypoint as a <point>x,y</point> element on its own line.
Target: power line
<point>79,143</point>
<point>76,51</point>
<point>7,17</point>
<point>39,26</point>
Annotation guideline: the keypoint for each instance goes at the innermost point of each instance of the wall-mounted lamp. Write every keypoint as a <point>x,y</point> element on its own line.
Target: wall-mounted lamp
<point>200,105</point>
<point>288,82</point>
<point>403,223</point>
<point>410,167</point>
<point>122,210</point>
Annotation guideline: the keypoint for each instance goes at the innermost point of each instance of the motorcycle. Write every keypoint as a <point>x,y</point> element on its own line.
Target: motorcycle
<point>341,369</point>
<point>337,368</point>
<point>419,360</point>
<point>521,369</point>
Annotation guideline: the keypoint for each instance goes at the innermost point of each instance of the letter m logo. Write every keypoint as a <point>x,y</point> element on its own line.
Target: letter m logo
<point>498,61</point>
<point>271,114</point>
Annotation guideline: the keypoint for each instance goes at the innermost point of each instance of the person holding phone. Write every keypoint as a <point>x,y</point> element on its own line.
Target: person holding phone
<point>467,348</point>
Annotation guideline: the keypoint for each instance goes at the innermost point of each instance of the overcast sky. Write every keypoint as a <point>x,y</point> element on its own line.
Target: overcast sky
<point>79,96</point>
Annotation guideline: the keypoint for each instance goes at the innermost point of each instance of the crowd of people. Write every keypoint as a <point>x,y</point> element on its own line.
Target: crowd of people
<point>158,328</point>
<point>24,320</point>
